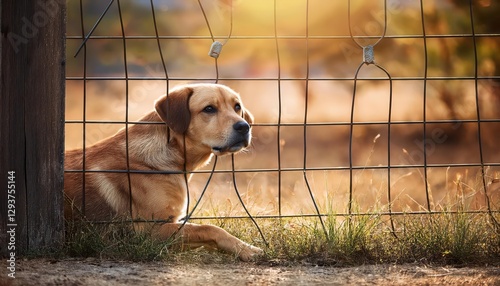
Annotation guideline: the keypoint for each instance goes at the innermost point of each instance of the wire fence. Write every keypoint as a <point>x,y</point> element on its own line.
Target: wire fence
<point>391,163</point>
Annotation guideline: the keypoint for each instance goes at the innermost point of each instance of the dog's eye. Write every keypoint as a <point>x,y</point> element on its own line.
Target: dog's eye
<point>237,107</point>
<point>209,109</point>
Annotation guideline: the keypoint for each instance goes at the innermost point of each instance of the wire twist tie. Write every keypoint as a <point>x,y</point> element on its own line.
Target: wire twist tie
<point>368,57</point>
<point>215,49</point>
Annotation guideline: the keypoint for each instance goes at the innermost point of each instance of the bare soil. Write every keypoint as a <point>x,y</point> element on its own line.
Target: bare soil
<point>107,272</point>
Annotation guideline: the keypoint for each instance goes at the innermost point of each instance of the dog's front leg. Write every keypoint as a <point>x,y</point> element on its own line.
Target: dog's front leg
<point>195,235</point>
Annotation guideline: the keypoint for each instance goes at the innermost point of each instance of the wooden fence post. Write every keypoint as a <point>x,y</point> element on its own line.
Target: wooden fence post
<point>32,69</point>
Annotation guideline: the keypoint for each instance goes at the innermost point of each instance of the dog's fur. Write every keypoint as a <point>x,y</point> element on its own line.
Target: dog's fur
<point>201,120</point>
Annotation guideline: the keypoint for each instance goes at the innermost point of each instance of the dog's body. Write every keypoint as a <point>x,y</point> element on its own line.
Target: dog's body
<point>201,120</point>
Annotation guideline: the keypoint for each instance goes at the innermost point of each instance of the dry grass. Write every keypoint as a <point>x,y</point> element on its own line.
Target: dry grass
<point>451,238</point>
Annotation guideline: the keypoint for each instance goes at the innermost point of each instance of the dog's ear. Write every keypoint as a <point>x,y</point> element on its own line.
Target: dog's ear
<point>248,116</point>
<point>173,109</point>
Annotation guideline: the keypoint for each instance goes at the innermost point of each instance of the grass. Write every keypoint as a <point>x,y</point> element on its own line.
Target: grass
<point>451,235</point>
<point>117,240</point>
<point>446,238</point>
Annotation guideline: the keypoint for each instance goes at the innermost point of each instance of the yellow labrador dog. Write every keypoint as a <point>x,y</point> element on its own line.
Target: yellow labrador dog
<point>200,120</point>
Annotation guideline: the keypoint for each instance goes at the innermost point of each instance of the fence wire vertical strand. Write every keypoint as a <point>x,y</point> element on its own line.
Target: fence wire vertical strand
<point>389,197</point>
<point>389,120</point>
<point>351,133</point>
<point>83,46</point>
<point>351,125</point>
<point>190,214</point>
<point>424,115</point>
<point>384,31</point>
<point>206,20</point>
<point>478,116</point>
<point>279,105</point>
<point>188,195</point>
<point>164,65</point>
<point>212,35</point>
<point>127,155</point>
<point>165,71</point>
<point>243,204</point>
<point>232,155</point>
<point>228,37</point>
<point>185,173</point>
<point>84,134</point>
<point>213,39</point>
<point>216,81</point>
<point>306,106</point>
<point>216,63</point>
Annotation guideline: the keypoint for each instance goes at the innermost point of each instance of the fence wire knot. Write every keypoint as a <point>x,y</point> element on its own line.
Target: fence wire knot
<point>368,56</point>
<point>215,49</point>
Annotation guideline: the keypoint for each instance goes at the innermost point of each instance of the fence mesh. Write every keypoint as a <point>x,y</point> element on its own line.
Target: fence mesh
<point>389,107</point>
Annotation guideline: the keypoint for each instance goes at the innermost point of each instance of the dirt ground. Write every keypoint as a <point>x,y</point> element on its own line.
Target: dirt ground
<point>106,272</point>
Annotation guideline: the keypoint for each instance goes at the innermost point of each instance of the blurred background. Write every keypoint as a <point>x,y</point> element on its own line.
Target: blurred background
<point>294,64</point>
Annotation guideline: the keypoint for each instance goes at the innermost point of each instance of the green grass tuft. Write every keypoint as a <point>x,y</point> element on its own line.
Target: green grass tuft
<point>446,238</point>
<point>117,240</point>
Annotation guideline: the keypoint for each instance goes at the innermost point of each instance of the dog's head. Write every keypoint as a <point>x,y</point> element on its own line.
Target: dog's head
<point>211,115</point>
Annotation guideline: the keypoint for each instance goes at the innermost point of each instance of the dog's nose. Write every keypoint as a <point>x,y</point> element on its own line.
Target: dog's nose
<point>241,127</point>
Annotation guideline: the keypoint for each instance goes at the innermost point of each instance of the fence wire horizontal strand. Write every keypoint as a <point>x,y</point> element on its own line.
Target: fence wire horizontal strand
<point>120,78</point>
<point>342,123</point>
<point>325,215</point>
<point>296,169</point>
<point>298,37</point>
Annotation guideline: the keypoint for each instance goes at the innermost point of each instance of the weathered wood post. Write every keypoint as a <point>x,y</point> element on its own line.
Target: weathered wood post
<point>32,69</point>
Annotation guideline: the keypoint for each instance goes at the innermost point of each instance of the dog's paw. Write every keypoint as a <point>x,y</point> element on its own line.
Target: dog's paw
<point>250,253</point>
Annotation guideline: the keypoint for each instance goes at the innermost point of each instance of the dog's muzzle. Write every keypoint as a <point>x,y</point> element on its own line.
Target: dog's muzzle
<point>240,139</point>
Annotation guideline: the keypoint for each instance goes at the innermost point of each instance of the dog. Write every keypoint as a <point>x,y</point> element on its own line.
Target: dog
<point>198,122</point>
